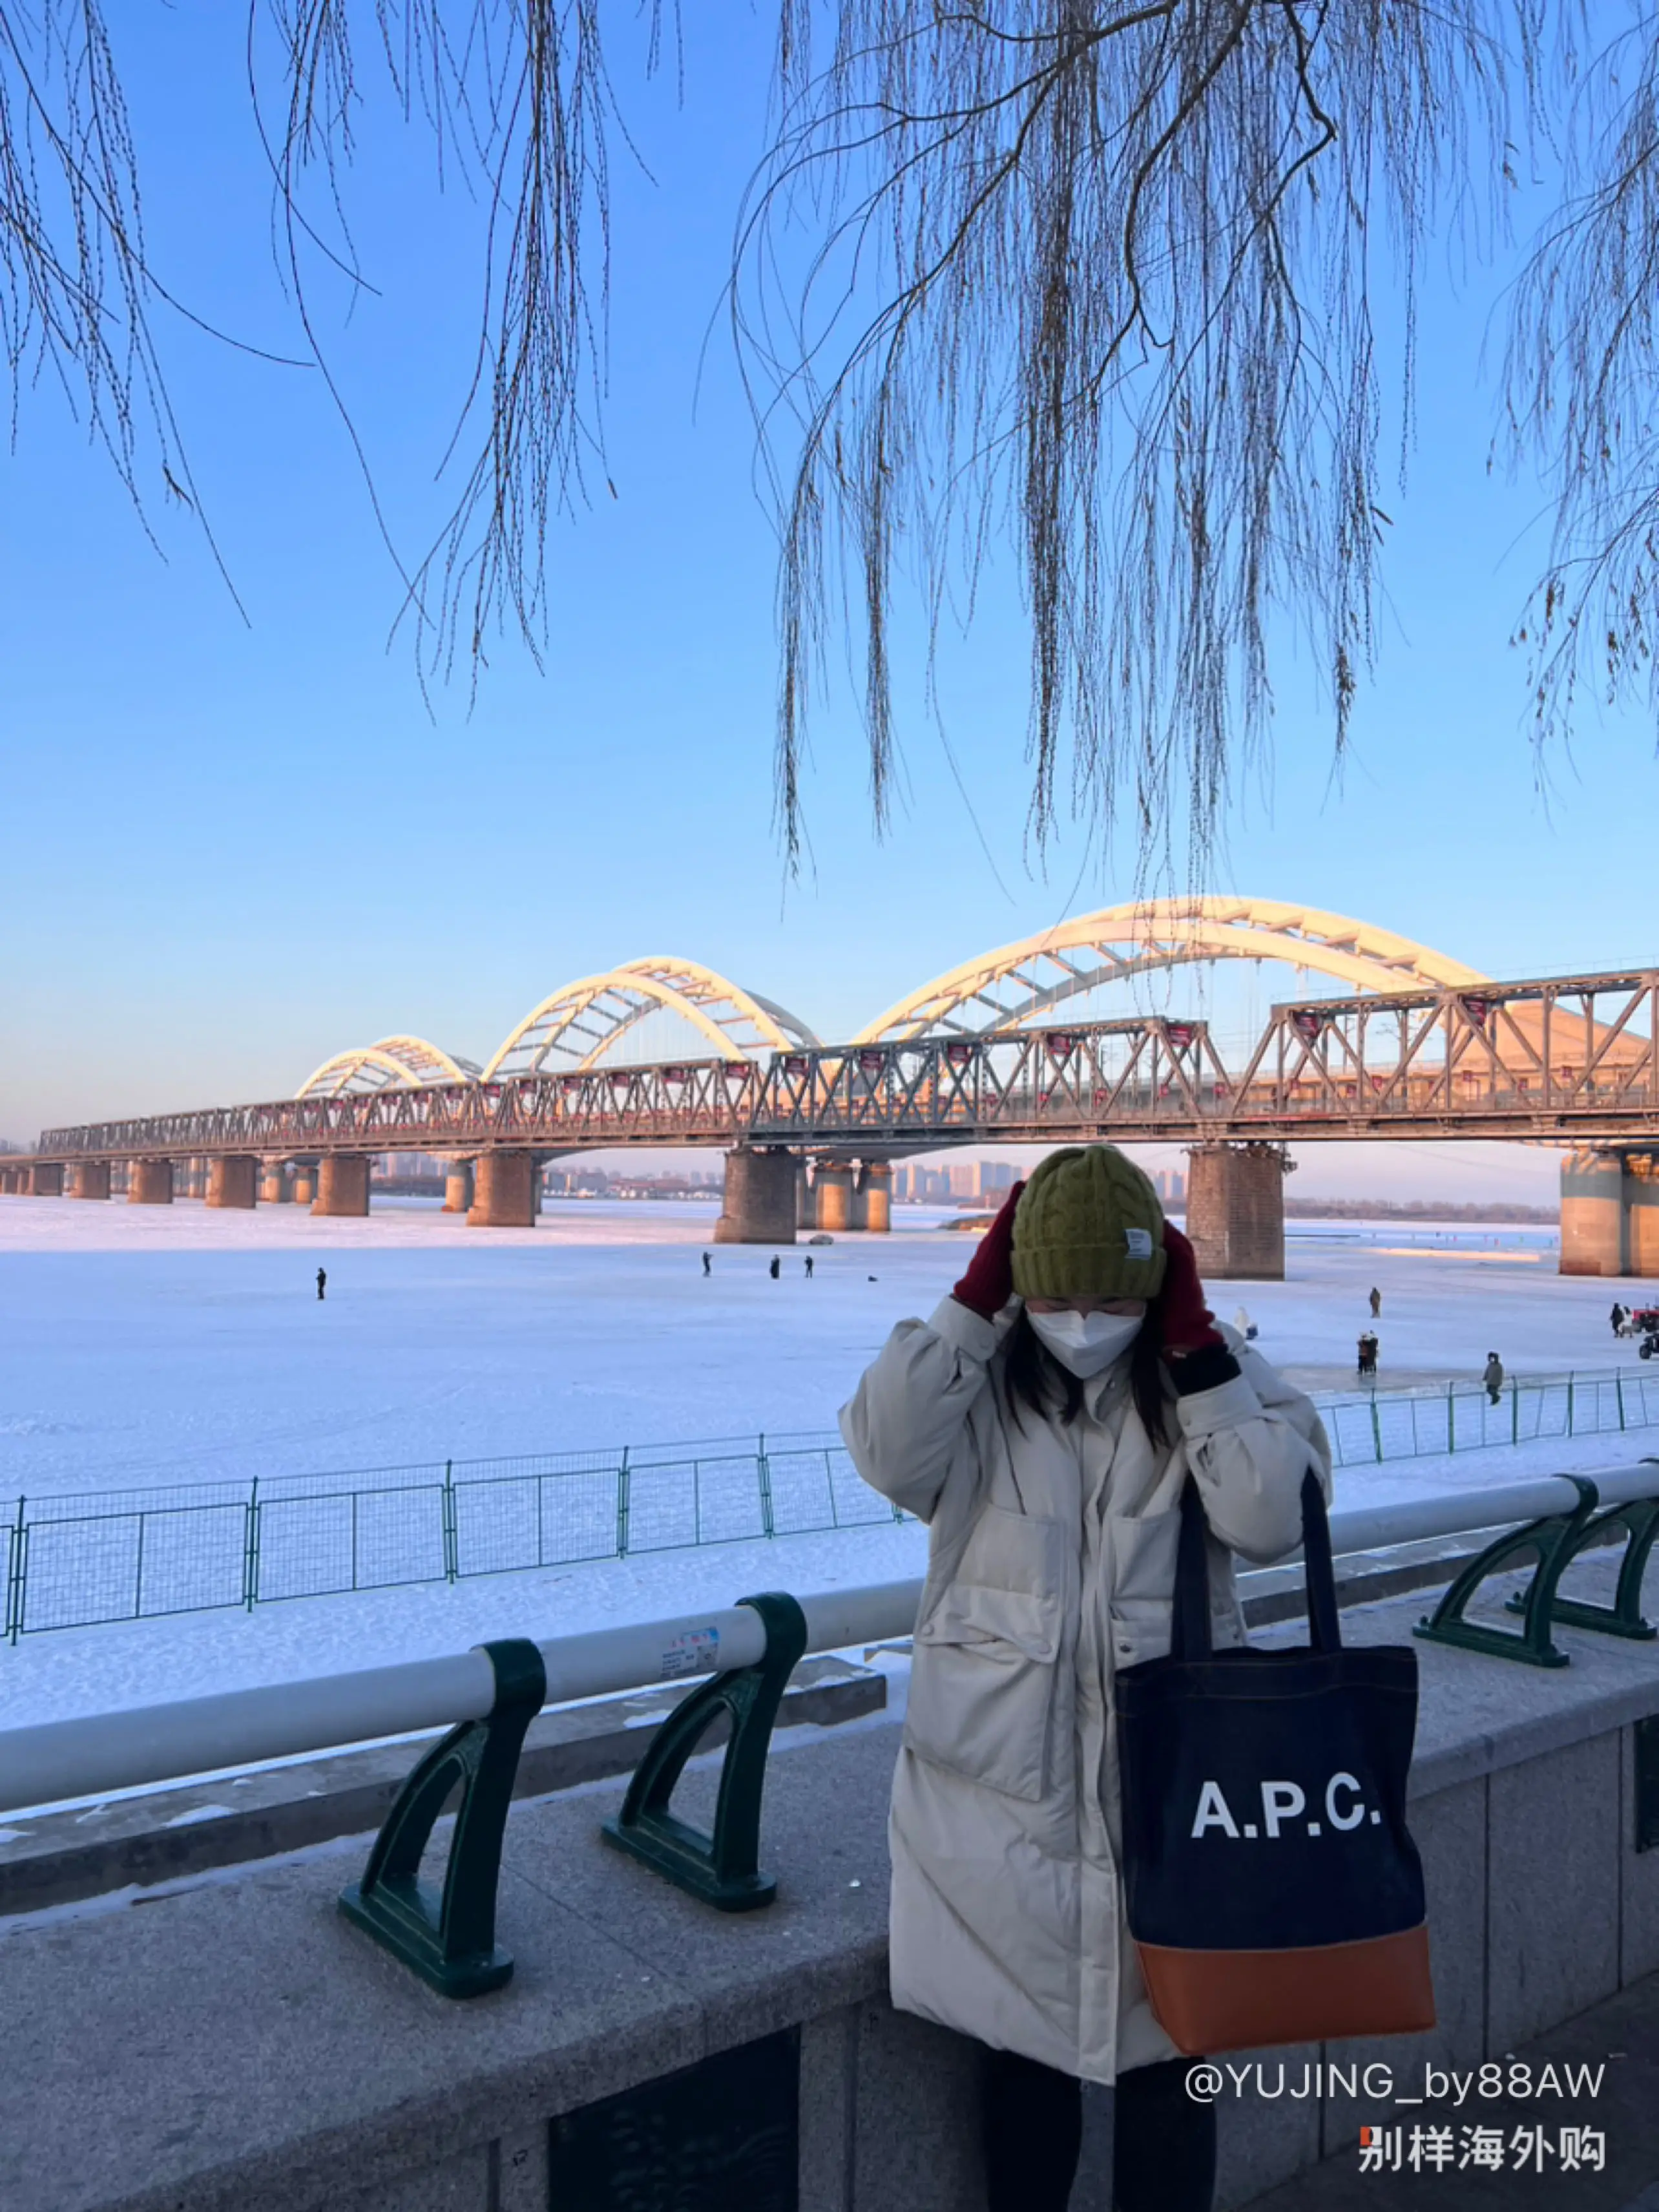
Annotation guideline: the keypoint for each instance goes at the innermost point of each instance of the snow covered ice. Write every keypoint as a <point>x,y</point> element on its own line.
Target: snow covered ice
<point>151,1346</point>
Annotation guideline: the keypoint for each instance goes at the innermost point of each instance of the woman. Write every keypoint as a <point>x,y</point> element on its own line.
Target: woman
<point>1043,1424</point>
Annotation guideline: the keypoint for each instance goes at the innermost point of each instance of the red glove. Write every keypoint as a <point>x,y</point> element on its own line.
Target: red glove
<point>1189,1324</point>
<point>989,1283</point>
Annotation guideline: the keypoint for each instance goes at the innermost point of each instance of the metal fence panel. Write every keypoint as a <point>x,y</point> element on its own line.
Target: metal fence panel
<point>729,1499</point>
<point>1349,1424</point>
<point>497,1525</point>
<point>802,1490</point>
<point>662,1508</point>
<point>193,1562</point>
<point>82,1571</point>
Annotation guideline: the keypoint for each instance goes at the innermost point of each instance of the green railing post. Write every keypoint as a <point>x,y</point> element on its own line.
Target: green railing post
<point>451,1557</point>
<point>763,1469</point>
<point>1619,1393</point>
<point>721,1867</point>
<point>1515,1413</point>
<point>1553,1540</point>
<point>622,1506</point>
<point>447,1935</point>
<point>251,1549</point>
<point>1376,1429</point>
<point>1451,1418</point>
<point>1569,1405</point>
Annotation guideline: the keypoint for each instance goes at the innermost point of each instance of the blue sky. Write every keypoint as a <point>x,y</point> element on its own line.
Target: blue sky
<point>230,849</point>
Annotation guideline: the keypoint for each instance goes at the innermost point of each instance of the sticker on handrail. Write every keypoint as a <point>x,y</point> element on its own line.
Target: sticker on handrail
<point>696,1652</point>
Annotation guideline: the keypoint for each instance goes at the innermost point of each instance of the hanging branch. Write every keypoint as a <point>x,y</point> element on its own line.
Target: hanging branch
<point>1096,275</point>
<point>77,291</point>
<point>518,97</point>
<point>1581,370</point>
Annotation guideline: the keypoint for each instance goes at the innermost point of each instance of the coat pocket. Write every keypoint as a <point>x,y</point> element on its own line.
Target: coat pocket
<point>1140,1597</point>
<point>1142,1604</point>
<point>982,1686</point>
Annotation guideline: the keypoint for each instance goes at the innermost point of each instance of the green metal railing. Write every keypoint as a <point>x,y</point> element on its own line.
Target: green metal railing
<point>1369,1427</point>
<point>77,1561</point>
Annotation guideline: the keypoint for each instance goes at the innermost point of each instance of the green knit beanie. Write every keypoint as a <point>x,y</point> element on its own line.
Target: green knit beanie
<point>1088,1225</point>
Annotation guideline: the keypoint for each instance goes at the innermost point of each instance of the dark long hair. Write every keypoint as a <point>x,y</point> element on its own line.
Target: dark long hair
<point>1034,1379</point>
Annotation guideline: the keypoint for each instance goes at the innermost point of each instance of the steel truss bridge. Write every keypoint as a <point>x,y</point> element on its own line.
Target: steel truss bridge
<point>1568,1060</point>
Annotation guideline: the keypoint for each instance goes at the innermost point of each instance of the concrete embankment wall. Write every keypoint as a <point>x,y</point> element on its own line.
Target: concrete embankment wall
<point>238,2047</point>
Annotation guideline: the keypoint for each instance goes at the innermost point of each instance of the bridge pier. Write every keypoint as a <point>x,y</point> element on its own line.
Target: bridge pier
<point>1610,1213</point>
<point>459,1188</point>
<point>806,1205</point>
<point>1594,1225</point>
<point>46,1180</point>
<point>833,1184</point>
<point>149,1183</point>
<point>759,1205</point>
<point>274,1186</point>
<point>232,1180</point>
<point>304,1182</point>
<point>89,1179</point>
<point>1236,1210</point>
<point>342,1185</point>
<point>877,1196</point>
<point>1642,1213</point>
<point>503,1193</point>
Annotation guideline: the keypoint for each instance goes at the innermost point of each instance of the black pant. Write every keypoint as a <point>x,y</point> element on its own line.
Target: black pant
<point>1163,2144</point>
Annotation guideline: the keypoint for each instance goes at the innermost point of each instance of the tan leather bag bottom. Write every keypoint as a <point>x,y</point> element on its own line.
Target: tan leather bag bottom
<point>1210,2001</point>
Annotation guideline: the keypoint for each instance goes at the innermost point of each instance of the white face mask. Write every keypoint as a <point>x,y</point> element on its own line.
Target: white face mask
<point>1086,1343</point>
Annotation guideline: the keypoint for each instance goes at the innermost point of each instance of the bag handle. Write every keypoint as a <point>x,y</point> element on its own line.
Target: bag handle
<point>1191,1627</point>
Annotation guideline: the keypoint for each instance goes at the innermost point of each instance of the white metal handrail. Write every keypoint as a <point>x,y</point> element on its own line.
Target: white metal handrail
<point>57,1761</point>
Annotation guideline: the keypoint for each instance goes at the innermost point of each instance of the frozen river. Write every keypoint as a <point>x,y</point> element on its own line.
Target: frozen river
<point>144,1345</point>
<point>175,1344</point>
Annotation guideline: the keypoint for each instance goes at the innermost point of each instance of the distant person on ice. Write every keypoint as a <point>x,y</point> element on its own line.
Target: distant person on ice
<point>1044,1421</point>
<point>1368,1352</point>
<point>322,1281</point>
<point>1492,1376</point>
<point>1376,1303</point>
<point>809,1267</point>
<point>1617,1318</point>
<point>774,1270</point>
<point>707,1270</point>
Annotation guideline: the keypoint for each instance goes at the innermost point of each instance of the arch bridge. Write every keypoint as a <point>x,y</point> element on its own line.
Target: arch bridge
<point>1419,1045</point>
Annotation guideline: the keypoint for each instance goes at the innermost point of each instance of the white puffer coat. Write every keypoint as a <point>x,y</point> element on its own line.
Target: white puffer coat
<point>1052,1564</point>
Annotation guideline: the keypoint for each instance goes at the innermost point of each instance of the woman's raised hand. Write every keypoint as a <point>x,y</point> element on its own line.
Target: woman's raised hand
<point>1189,1324</point>
<point>989,1282</point>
